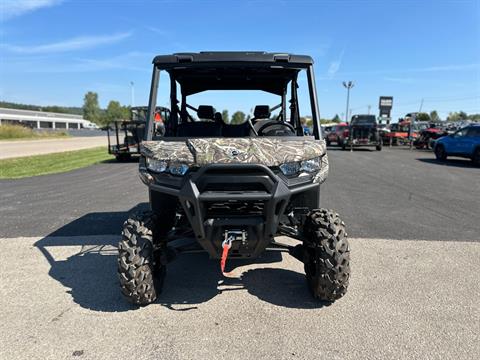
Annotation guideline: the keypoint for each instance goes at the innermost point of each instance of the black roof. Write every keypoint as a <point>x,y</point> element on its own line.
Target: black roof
<point>167,61</point>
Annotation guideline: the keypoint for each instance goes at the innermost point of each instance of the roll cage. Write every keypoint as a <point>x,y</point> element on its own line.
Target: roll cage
<point>197,72</point>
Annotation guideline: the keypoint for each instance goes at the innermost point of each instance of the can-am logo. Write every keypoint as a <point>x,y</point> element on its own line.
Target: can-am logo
<point>233,153</point>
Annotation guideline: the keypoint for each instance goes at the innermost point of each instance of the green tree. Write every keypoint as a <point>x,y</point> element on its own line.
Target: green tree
<point>238,117</point>
<point>434,115</point>
<point>456,116</point>
<point>225,116</point>
<point>474,117</point>
<point>115,111</point>
<point>422,117</point>
<point>91,109</point>
<point>336,119</point>
<point>452,116</point>
<point>463,115</point>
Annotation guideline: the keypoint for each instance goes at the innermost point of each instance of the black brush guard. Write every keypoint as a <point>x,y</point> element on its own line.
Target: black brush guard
<point>363,135</point>
<point>235,197</point>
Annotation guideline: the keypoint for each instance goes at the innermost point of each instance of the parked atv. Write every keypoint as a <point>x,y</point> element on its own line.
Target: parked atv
<point>233,188</point>
<point>427,136</point>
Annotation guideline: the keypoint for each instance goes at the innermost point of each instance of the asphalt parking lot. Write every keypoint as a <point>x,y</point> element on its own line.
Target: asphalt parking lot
<point>415,235</point>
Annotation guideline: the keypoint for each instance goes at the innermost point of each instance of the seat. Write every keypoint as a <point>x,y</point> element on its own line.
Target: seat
<point>206,112</point>
<point>201,128</point>
<point>261,112</point>
<point>261,115</point>
<point>236,130</point>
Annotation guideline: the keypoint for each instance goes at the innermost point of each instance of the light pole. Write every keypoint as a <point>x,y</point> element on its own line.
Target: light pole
<point>132,94</point>
<point>348,85</point>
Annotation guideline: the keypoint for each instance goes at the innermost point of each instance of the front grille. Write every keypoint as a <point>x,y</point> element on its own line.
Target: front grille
<point>215,209</point>
<point>239,186</point>
<point>363,133</point>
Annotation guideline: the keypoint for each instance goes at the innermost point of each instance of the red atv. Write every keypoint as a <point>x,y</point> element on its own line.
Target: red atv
<point>426,136</point>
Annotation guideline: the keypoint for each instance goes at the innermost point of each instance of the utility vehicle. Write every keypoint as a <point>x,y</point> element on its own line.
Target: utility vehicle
<point>363,131</point>
<point>124,136</point>
<point>233,188</point>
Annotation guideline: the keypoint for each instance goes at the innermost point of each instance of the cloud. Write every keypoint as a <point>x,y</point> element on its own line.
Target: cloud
<point>158,31</point>
<point>132,61</point>
<point>12,8</point>
<point>445,68</point>
<point>73,44</point>
<point>169,37</point>
<point>335,65</point>
<point>400,80</point>
<point>427,69</point>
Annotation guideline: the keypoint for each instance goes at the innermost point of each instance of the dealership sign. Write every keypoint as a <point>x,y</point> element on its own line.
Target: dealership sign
<point>385,105</point>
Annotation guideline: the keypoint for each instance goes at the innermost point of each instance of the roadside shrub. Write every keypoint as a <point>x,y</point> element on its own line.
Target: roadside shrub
<point>9,132</point>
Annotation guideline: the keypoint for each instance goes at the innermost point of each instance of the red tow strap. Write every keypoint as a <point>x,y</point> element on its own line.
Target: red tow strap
<point>226,247</point>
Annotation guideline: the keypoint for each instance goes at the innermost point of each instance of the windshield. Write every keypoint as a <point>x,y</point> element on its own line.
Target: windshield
<point>237,101</point>
<point>363,120</point>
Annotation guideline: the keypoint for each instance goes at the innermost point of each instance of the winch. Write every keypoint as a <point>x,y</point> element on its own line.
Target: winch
<point>229,237</point>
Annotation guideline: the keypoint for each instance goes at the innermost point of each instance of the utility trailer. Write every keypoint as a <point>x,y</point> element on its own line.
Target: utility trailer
<point>125,136</point>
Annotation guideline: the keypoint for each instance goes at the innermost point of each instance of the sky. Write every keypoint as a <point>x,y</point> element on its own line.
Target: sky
<point>53,51</point>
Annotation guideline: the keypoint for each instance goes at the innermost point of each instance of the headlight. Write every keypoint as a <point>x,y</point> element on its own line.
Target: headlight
<point>311,166</point>
<point>298,167</point>
<point>156,165</point>
<point>178,169</point>
<point>162,166</point>
<point>290,168</point>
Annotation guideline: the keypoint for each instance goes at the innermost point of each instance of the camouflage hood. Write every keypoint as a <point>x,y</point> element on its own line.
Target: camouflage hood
<point>266,151</point>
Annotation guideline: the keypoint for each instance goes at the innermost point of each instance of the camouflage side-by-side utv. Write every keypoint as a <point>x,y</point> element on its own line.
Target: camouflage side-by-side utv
<point>232,187</point>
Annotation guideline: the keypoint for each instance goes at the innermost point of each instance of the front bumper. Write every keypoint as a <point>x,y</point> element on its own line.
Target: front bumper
<point>234,197</point>
<point>361,142</point>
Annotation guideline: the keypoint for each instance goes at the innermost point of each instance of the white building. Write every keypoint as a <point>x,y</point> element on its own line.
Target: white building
<point>43,120</point>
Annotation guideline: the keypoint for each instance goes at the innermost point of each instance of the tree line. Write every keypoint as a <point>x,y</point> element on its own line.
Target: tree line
<point>115,111</point>
<point>56,109</point>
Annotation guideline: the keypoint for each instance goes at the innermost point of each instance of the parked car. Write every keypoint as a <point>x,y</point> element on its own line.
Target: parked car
<point>363,131</point>
<point>338,134</point>
<point>326,130</point>
<point>463,143</point>
<point>90,125</point>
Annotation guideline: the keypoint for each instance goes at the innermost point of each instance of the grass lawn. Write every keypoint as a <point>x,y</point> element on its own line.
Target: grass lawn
<point>51,163</point>
<point>16,132</point>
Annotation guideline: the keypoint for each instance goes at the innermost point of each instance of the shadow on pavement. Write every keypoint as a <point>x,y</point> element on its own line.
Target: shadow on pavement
<point>90,273</point>
<point>101,223</point>
<point>462,163</point>
<point>359,149</point>
<point>132,160</point>
<point>280,287</point>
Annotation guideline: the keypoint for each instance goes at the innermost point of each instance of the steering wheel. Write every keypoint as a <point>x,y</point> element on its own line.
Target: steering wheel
<point>262,128</point>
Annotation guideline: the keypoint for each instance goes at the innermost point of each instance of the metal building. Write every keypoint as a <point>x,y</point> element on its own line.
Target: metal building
<point>43,120</point>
